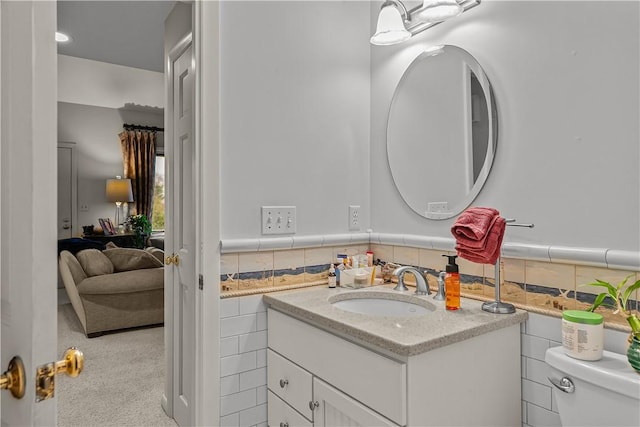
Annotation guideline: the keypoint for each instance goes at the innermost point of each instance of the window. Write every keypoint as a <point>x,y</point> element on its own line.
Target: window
<point>157,222</point>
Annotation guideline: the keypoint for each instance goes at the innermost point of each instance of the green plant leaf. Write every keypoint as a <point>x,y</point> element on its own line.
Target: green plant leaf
<point>621,284</point>
<point>628,291</point>
<point>612,291</point>
<point>598,301</point>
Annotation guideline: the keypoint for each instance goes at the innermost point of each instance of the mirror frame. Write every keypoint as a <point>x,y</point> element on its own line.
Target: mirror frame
<point>492,142</point>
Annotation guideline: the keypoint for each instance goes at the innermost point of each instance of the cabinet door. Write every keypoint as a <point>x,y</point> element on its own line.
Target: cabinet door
<point>290,382</point>
<point>337,409</point>
<point>282,415</point>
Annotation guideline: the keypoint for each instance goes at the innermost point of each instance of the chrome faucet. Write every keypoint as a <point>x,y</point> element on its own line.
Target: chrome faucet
<point>421,284</point>
<point>441,295</point>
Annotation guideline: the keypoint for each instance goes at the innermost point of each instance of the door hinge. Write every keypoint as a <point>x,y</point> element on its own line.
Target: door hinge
<point>200,282</point>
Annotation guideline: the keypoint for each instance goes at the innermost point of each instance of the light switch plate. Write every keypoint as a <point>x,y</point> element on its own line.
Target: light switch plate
<point>278,220</point>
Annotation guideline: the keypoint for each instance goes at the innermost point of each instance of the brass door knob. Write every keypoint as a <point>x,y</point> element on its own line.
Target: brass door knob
<point>172,259</point>
<point>72,363</point>
<point>13,378</point>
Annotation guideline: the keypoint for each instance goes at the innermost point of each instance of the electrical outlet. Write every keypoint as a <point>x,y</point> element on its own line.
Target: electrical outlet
<point>84,208</point>
<point>278,219</point>
<point>354,217</point>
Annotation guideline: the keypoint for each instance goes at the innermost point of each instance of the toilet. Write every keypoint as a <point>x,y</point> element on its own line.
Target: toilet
<point>605,392</point>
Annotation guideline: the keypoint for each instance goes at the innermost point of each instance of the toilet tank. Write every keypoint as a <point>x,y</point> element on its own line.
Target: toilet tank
<point>607,391</point>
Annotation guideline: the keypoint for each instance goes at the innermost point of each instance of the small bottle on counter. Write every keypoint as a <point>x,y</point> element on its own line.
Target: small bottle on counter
<point>452,284</point>
<point>332,276</point>
<point>369,259</point>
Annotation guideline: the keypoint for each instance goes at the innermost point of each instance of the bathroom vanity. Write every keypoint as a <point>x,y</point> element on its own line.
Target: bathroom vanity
<point>327,366</point>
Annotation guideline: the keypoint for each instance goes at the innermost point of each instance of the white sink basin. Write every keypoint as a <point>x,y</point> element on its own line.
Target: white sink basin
<point>382,304</point>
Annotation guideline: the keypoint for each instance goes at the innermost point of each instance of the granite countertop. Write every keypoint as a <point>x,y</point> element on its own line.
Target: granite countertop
<point>403,336</point>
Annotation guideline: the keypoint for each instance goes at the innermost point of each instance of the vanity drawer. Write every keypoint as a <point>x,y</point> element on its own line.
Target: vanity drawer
<point>375,380</point>
<point>282,415</point>
<point>290,382</point>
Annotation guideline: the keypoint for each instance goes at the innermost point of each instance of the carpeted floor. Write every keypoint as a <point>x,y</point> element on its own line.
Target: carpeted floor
<point>123,378</point>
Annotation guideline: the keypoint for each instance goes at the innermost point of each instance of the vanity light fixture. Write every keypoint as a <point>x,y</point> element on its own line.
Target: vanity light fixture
<point>397,24</point>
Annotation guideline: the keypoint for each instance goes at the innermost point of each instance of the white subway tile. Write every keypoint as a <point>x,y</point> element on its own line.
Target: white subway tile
<point>537,394</point>
<point>253,341</point>
<point>252,304</point>
<point>231,420</point>
<point>523,366</point>
<point>261,395</point>
<point>237,402</point>
<point>262,425</point>
<point>252,416</point>
<point>261,356</point>
<point>538,371</point>
<point>539,417</point>
<point>262,321</point>
<point>228,346</point>
<point>616,341</point>
<point>524,413</point>
<point>534,347</point>
<point>239,363</point>
<point>229,385</point>
<point>543,326</point>
<point>238,325</point>
<point>229,307</point>
<point>253,379</point>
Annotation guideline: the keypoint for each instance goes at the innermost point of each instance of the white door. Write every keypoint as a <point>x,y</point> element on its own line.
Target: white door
<point>334,408</point>
<point>66,191</point>
<point>180,159</point>
<point>28,82</point>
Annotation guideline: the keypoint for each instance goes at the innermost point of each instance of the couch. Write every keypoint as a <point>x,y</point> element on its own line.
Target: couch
<point>116,288</point>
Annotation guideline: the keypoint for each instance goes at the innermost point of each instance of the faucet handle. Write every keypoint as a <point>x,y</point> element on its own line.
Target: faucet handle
<point>441,295</point>
<point>401,286</point>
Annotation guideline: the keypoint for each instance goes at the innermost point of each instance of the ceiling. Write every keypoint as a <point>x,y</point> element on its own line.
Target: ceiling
<point>126,33</point>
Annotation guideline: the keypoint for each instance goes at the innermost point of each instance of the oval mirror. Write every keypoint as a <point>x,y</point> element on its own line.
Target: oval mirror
<point>442,132</point>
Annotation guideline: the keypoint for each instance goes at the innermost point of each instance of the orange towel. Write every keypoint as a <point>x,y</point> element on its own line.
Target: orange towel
<point>479,232</point>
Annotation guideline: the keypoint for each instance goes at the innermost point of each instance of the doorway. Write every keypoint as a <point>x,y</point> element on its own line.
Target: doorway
<point>98,117</point>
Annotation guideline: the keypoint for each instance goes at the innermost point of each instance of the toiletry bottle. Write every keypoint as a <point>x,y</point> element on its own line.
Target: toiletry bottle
<point>339,267</point>
<point>332,276</point>
<point>452,284</point>
<point>369,259</point>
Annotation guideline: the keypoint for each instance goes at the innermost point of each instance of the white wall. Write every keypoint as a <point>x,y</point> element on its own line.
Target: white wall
<point>95,131</point>
<point>83,81</point>
<point>565,76</point>
<point>294,113</point>
<point>94,100</point>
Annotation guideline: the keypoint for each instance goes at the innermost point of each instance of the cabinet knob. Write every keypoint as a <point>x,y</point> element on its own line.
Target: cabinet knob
<point>284,383</point>
<point>313,405</point>
<point>284,424</point>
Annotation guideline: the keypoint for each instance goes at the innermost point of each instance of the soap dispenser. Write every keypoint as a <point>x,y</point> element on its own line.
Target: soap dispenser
<point>452,284</point>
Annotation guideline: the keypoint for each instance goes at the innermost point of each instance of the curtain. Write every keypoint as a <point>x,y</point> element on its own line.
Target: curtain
<point>139,158</point>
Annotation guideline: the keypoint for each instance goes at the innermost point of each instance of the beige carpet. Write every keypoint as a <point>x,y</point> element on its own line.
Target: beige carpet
<point>123,378</point>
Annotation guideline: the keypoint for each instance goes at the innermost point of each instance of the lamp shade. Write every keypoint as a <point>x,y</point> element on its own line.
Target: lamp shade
<point>439,10</point>
<point>119,190</point>
<point>390,28</point>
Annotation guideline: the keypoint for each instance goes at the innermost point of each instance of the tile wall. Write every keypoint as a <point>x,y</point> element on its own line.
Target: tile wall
<point>540,287</point>
<point>243,362</point>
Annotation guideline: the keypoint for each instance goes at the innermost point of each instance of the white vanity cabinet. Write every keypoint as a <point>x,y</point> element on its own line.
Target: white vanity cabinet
<point>321,379</point>
<point>329,380</point>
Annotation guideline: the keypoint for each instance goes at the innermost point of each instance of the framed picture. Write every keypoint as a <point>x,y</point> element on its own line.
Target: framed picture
<point>107,226</point>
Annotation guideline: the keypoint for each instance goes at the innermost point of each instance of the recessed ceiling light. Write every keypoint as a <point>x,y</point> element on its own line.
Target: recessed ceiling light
<point>61,37</point>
